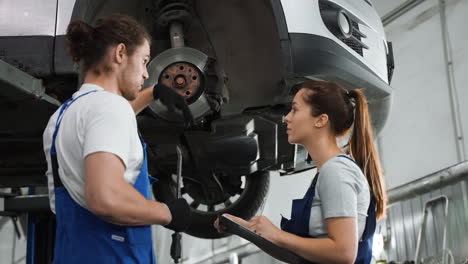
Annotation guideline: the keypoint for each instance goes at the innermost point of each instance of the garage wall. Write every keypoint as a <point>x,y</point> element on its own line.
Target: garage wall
<point>458,33</point>
<point>12,248</point>
<point>402,226</point>
<point>420,137</point>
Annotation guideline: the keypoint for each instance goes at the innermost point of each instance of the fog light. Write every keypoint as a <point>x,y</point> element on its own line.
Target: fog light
<point>344,24</point>
<point>338,22</point>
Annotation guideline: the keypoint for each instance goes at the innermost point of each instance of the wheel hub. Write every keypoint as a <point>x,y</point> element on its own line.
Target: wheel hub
<point>182,77</point>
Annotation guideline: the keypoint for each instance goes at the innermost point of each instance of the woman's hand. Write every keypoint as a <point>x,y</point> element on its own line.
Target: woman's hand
<point>258,224</point>
<point>238,220</point>
<point>265,228</point>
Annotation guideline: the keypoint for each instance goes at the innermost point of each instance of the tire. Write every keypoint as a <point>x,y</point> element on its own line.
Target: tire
<point>245,206</point>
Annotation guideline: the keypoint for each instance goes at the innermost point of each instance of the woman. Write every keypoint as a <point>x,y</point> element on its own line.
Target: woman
<point>335,221</point>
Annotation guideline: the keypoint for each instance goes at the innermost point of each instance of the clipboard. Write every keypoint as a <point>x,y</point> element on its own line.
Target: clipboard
<point>264,244</point>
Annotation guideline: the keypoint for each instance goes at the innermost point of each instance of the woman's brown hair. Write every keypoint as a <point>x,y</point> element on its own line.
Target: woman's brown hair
<point>345,109</point>
<point>89,44</point>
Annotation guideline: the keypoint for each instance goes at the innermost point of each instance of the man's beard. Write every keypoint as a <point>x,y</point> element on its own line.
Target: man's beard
<point>130,96</point>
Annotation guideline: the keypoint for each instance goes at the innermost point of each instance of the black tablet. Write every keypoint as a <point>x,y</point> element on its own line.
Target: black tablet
<point>264,244</point>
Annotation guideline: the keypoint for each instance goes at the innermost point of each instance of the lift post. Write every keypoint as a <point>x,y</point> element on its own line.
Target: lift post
<point>176,246</point>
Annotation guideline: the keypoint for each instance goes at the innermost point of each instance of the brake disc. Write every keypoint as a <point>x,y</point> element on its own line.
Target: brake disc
<point>182,69</point>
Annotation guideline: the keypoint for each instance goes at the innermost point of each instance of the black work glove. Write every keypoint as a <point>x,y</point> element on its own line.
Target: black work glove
<point>180,211</point>
<point>171,99</point>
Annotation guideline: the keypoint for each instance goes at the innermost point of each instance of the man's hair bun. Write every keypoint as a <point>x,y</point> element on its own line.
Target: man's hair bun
<point>79,37</point>
<point>88,44</point>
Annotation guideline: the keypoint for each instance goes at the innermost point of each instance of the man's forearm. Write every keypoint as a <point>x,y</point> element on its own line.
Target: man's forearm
<point>155,213</point>
<point>126,206</point>
<point>144,98</point>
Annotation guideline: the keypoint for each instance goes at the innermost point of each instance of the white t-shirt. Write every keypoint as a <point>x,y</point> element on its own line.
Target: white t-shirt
<point>97,122</point>
<point>341,191</point>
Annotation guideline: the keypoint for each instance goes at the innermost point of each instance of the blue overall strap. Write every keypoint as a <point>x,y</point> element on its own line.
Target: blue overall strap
<point>300,213</point>
<point>82,237</point>
<point>371,214</point>
<point>143,144</point>
<point>53,151</point>
<point>300,217</point>
<point>364,255</point>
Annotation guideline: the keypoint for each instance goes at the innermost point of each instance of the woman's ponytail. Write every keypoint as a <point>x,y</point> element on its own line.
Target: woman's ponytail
<point>363,151</point>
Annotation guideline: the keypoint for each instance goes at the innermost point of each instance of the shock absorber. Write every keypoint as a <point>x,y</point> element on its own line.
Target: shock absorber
<point>176,31</point>
<point>189,71</point>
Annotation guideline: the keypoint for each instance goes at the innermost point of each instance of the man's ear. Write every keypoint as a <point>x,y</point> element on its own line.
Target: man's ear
<point>120,53</point>
<point>322,121</point>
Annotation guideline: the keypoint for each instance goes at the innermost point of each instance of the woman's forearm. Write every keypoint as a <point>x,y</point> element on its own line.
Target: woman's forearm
<point>321,250</point>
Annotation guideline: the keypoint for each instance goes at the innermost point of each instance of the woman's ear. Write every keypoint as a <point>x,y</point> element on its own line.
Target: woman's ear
<point>322,121</point>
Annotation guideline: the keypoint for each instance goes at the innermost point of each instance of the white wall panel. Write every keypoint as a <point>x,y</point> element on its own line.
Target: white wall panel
<point>403,223</point>
<point>12,249</point>
<point>419,136</point>
<point>456,16</point>
<point>385,6</point>
<point>27,18</point>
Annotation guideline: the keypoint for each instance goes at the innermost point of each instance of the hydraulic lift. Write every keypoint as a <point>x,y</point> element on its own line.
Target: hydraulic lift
<point>23,196</point>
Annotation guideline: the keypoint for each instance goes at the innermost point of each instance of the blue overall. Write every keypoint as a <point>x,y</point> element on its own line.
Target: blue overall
<point>300,216</point>
<point>82,237</point>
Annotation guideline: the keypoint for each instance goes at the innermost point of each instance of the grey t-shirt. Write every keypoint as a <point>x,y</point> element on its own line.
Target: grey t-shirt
<point>341,191</point>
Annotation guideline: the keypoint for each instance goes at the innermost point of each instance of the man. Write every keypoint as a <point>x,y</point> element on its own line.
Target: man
<point>97,169</point>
